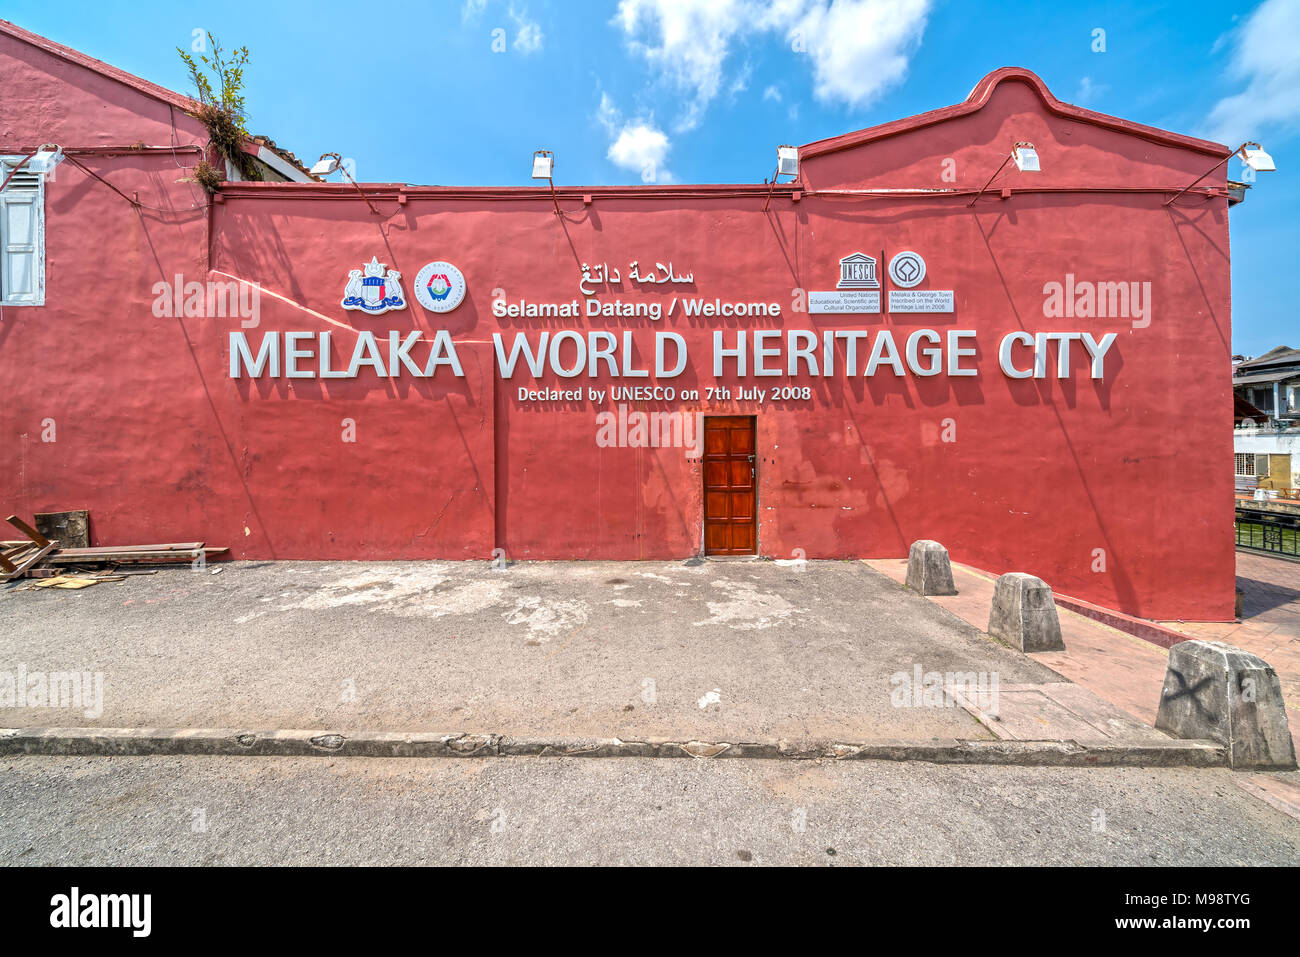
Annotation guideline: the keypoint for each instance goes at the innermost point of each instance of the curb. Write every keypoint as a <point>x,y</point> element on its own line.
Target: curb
<point>396,744</point>
<point>1144,628</point>
<point>1137,627</point>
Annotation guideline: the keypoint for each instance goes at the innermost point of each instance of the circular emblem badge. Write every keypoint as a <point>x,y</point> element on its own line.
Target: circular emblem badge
<point>907,269</point>
<point>439,287</point>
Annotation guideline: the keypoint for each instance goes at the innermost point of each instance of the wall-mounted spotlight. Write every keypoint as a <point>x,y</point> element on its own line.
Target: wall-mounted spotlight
<point>1256,158</point>
<point>1252,154</point>
<point>329,163</point>
<point>543,164</point>
<point>787,164</point>
<point>787,161</point>
<point>45,159</point>
<point>1024,155</point>
<point>543,167</point>
<point>41,160</point>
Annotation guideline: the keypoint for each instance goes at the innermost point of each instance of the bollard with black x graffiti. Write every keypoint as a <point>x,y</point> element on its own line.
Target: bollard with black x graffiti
<point>1215,691</point>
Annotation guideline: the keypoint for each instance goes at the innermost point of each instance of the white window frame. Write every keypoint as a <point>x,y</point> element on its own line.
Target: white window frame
<point>36,198</point>
<point>1244,461</point>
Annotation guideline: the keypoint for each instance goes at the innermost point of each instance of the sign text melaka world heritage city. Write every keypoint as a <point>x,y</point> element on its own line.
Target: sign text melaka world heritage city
<point>742,353</point>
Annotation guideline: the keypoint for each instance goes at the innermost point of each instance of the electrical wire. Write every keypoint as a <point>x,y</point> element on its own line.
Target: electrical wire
<point>70,156</point>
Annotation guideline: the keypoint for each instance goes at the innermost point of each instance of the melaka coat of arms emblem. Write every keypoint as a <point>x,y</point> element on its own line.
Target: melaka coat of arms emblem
<point>375,291</point>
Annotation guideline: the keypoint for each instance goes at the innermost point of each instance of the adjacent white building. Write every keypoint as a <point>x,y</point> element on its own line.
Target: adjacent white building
<point>1266,439</point>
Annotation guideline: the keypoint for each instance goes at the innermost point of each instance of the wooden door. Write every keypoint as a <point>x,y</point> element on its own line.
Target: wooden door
<point>730,499</point>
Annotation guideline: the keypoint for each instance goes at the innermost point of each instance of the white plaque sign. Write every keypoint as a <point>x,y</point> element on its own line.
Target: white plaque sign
<point>920,300</point>
<point>843,301</point>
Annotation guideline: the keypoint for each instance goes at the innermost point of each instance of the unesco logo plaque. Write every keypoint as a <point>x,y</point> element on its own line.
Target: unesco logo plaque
<point>858,288</point>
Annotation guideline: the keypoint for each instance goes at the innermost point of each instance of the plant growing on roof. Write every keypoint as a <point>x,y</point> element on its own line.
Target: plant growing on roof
<point>218,80</point>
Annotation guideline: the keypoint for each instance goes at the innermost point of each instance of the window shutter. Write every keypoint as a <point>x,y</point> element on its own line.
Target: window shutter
<point>22,239</point>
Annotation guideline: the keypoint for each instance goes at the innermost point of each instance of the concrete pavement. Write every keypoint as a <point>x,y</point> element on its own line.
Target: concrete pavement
<point>1128,671</point>
<point>1118,667</point>
<point>714,651</point>
<point>707,651</point>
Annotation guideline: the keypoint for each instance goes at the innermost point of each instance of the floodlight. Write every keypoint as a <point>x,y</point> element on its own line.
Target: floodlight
<point>328,163</point>
<point>1256,158</point>
<point>787,161</point>
<point>46,158</point>
<point>1026,157</point>
<point>1252,154</point>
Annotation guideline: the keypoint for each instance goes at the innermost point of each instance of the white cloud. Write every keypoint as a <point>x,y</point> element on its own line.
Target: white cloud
<point>472,9</point>
<point>859,48</point>
<point>607,113</point>
<point>773,94</point>
<point>691,42</point>
<point>641,148</point>
<point>638,146</point>
<point>1264,58</point>
<point>528,38</point>
<point>1088,91</point>
<point>856,48</point>
<point>741,83</point>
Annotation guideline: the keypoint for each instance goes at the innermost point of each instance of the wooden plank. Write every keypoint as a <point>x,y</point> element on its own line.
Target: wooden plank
<point>31,560</point>
<point>116,549</point>
<point>109,555</point>
<point>10,556</point>
<point>27,530</point>
<point>61,559</point>
<point>45,571</point>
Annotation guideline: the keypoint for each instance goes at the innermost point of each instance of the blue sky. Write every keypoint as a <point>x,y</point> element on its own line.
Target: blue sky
<point>462,91</point>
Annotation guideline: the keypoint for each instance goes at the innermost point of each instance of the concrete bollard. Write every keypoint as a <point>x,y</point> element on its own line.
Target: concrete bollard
<point>1024,613</point>
<point>929,572</point>
<point>1216,691</point>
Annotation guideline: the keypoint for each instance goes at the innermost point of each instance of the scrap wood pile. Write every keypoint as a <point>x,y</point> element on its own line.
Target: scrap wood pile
<point>39,557</point>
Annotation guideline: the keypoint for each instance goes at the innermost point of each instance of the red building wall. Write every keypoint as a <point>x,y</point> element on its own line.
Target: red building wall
<point>131,423</point>
<point>1034,475</point>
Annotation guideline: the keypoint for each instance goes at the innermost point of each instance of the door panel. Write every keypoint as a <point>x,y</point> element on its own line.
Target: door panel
<point>730,513</point>
<point>715,441</point>
<point>715,475</point>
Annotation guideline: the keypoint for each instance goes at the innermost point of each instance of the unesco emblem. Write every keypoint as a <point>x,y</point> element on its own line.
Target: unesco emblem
<point>907,269</point>
<point>439,287</point>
